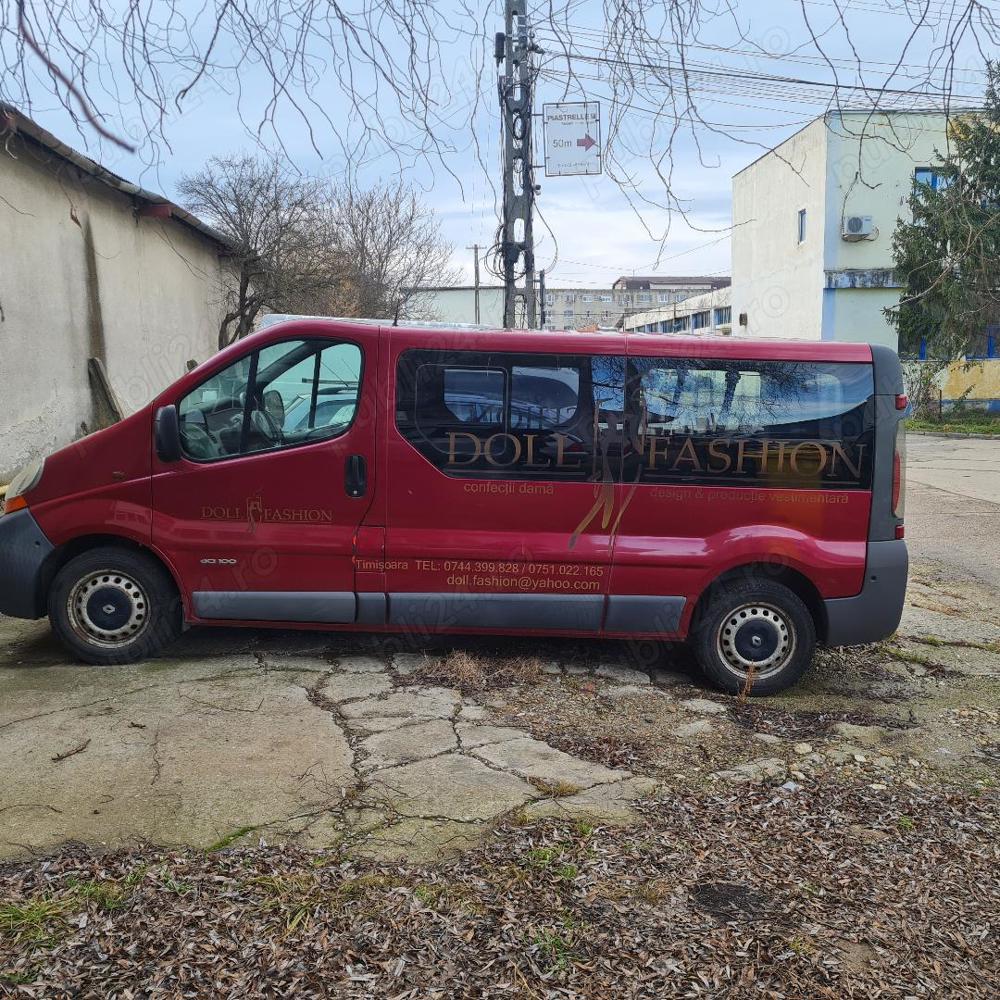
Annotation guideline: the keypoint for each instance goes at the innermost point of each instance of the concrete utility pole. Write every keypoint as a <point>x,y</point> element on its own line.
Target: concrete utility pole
<point>541,300</point>
<point>475,269</point>
<point>514,48</point>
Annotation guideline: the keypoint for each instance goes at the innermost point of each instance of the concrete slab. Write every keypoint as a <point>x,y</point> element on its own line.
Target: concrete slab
<point>177,754</point>
<point>703,706</point>
<point>452,786</point>
<point>400,746</point>
<point>362,664</point>
<point>612,803</point>
<point>535,759</point>
<point>340,687</point>
<point>622,674</point>
<point>420,840</point>
<point>476,736</point>
<point>411,703</point>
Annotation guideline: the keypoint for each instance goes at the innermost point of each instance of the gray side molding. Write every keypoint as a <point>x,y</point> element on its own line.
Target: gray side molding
<point>23,550</point>
<point>875,613</point>
<point>371,608</point>
<point>333,607</point>
<point>641,613</point>
<point>514,611</point>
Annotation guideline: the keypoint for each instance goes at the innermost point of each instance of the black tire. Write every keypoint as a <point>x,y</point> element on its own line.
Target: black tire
<point>756,627</point>
<point>114,605</point>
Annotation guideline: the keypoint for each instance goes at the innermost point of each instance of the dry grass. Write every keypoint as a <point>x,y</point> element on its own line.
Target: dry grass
<point>553,789</point>
<point>469,672</point>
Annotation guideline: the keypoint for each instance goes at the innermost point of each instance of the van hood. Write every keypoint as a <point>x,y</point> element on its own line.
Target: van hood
<point>107,458</point>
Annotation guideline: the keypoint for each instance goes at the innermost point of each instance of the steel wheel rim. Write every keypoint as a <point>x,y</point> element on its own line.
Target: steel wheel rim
<point>737,638</point>
<point>108,608</point>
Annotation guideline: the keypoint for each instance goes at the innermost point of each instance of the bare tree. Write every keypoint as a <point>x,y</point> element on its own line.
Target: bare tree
<point>284,235</point>
<point>417,78</point>
<point>392,245</point>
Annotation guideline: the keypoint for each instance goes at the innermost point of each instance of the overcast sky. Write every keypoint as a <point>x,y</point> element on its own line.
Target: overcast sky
<point>595,233</point>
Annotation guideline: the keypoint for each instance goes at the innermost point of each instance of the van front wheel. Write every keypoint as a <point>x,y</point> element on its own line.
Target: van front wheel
<point>755,636</point>
<point>114,605</point>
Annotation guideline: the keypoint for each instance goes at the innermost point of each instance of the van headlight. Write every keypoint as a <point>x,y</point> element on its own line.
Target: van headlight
<point>24,482</point>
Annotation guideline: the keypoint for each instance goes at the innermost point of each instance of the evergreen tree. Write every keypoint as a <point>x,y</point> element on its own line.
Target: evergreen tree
<point>948,257</point>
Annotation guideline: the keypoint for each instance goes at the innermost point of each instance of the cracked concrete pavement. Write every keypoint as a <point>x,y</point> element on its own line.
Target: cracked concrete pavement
<point>235,736</point>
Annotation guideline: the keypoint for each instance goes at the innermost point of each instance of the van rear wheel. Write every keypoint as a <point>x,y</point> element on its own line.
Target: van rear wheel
<point>114,605</point>
<point>755,636</point>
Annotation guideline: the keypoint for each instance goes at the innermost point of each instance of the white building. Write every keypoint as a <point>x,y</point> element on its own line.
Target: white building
<point>813,221</point>
<point>97,278</point>
<point>565,308</point>
<point>708,313</point>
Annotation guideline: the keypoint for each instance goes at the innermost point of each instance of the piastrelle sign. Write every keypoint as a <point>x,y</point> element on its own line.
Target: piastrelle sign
<point>572,138</point>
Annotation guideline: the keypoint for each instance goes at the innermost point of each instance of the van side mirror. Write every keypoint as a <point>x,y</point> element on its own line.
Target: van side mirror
<point>167,435</point>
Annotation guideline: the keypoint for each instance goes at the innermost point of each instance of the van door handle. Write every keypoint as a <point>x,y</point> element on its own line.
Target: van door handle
<point>355,476</point>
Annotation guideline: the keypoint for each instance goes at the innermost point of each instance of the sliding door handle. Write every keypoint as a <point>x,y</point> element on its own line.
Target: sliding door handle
<point>355,476</point>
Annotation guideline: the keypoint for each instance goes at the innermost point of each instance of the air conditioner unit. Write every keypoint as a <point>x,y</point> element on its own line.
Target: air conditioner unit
<point>857,227</point>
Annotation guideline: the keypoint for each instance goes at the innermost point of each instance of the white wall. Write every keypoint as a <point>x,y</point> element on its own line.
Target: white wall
<point>147,301</point>
<point>870,164</point>
<point>458,305</point>
<point>778,281</point>
<point>837,166</point>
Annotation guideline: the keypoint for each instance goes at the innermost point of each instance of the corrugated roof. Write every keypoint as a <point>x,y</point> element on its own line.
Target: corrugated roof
<point>15,121</point>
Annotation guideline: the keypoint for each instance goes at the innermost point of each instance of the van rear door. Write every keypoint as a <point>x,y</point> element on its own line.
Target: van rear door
<point>260,514</point>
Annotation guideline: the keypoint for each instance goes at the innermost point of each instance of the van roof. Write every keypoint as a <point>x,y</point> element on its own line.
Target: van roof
<point>458,336</point>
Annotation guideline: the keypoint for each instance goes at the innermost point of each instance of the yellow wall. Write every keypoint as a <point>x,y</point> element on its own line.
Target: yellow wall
<point>982,376</point>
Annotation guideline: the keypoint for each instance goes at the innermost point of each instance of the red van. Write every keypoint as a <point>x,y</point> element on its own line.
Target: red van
<point>745,495</point>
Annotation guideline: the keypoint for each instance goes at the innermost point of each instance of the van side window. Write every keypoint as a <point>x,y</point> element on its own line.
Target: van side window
<point>478,414</point>
<point>287,394</point>
<point>471,396</point>
<point>764,423</point>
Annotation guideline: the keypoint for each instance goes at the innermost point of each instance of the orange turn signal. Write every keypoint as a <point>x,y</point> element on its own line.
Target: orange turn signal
<point>14,503</point>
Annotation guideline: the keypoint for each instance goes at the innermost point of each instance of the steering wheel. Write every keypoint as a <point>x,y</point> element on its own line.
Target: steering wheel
<point>262,423</point>
<point>199,441</point>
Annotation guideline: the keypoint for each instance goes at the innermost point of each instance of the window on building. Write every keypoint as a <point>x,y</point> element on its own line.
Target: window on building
<point>586,298</point>
<point>663,298</point>
<point>644,297</point>
<point>700,320</point>
<point>723,315</point>
<point>929,177</point>
<point>802,225</point>
<point>984,347</point>
<point>605,298</point>
<point>569,297</point>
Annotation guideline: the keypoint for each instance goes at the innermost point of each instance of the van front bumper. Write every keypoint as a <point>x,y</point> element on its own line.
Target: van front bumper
<point>875,613</point>
<point>23,550</point>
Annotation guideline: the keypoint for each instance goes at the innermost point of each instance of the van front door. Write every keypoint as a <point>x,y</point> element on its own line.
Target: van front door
<point>260,514</point>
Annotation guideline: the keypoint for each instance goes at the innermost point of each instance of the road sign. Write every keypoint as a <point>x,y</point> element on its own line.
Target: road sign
<point>572,138</point>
